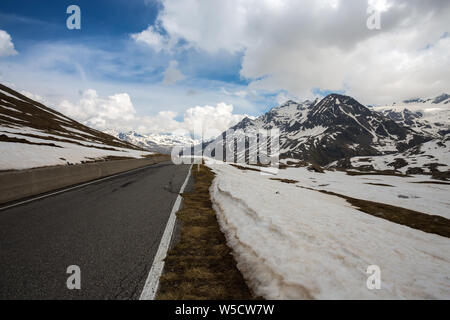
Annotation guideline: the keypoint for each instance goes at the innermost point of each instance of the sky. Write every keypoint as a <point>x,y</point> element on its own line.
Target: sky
<point>165,66</point>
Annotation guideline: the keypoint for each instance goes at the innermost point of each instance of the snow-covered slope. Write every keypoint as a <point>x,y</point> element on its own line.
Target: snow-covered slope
<point>162,143</point>
<point>33,135</point>
<point>334,128</point>
<point>430,116</point>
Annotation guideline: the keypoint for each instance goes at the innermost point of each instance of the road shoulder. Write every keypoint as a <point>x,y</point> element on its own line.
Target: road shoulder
<point>200,265</point>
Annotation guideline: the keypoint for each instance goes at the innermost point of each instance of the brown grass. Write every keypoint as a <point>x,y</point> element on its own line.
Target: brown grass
<point>413,219</point>
<point>5,138</point>
<point>380,184</point>
<point>245,168</point>
<point>432,182</point>
<point>200,266</point>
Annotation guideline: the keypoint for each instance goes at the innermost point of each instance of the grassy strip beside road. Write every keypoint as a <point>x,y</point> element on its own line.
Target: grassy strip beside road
<point>201,266</point>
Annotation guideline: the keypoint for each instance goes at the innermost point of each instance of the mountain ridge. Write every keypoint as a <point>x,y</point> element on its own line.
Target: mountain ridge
<point>162,143</point>
<point>336,127</point>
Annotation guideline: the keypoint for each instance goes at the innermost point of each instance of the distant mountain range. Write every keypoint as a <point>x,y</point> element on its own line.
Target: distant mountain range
<point>161,143</point>
<point>428,116</point>
<point>339,127</point>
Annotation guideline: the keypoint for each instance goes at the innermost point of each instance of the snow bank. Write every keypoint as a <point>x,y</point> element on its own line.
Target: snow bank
<point>294,243</point>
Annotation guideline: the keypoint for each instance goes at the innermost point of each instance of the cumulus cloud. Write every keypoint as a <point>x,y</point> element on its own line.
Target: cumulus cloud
<point>172,75</point>
<point>117,112</point>
<point>6,44</point>
<point>302,45</point>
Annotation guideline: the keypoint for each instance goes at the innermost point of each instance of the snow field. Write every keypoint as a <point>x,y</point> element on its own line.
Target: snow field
<point>294,243</point>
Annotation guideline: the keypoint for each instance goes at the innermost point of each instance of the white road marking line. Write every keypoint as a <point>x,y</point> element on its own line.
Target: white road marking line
<point>72,188</point>
<point>152,282</point>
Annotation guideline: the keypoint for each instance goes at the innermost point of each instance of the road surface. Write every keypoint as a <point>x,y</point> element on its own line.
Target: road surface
<point>111,229</point>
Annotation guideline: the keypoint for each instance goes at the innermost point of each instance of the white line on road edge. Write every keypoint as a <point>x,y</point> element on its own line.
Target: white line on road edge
<point>75,187</point>
<point>152,282</point>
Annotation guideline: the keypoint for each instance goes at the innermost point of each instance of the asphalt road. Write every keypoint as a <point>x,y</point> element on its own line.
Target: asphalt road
<point>110,229</point>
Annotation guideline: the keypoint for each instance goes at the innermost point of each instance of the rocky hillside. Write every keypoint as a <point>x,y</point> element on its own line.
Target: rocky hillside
<point>333,128</point>
<point>34,135</point>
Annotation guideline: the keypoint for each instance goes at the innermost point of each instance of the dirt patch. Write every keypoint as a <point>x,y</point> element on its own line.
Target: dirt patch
<point>376,173</point>
<point>113,158</point>
<point>316,168</point>
<point>285,180</point>
<point>201,266</point>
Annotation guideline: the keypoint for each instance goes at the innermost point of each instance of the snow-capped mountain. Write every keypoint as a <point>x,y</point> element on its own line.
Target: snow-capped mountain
<point>334,128</point>
<point>429,116</point>
<point>34,135</point>
<point>162,143</point>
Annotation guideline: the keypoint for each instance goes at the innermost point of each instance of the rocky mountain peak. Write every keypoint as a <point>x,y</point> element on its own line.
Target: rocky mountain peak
<point>334,128</point>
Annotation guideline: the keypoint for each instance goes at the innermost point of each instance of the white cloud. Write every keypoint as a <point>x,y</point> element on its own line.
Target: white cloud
<point>211,120</point>
<point>117,112</point>
<point>300,45</point>
<point>241,93</point>
<point>6,44</point>
<point>172,75</point>
<point>153,38</point>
